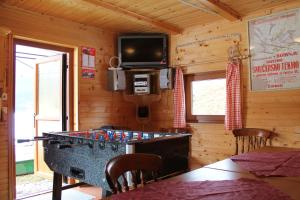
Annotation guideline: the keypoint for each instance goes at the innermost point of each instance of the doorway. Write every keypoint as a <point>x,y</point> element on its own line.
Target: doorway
<point>41,105</point>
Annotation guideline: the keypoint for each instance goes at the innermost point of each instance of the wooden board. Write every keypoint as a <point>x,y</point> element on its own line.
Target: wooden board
<point>4,125</point>
<point>160,14</point>
<point>97,107</point>
<point>92,94</point>
<point>278,110</point>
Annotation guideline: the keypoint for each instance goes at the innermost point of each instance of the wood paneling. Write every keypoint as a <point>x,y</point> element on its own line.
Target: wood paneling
<point>4,139</point>
<point>222,9</point>
<point>92,93</point>
<point>246,7</point>
<point>172,13</point>
<point>279,110</point>
<point>96,106</point>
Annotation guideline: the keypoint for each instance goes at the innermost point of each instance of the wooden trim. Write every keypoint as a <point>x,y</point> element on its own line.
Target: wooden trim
<point>11,120</point>
<point>221,9</point>
<point>208,75</point>
<point>201,118</point>
<point>43,45</point>
<point>127,13</point>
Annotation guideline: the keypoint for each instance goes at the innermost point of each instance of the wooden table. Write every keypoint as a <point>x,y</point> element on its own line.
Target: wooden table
<point>229,165</point>
<point>228,170</point>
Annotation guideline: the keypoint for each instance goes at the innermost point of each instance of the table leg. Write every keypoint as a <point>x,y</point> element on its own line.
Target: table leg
<point>106,193</point>
<point>57,184</point>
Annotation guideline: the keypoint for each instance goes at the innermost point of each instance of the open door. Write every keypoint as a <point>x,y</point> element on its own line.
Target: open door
<point>50,102</point>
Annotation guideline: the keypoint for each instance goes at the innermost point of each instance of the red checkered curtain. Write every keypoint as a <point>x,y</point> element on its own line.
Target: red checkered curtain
<point>179,101</point>
<point>233,117</point>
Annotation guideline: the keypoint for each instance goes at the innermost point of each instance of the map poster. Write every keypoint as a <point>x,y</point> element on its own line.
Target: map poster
<point>275,51</point>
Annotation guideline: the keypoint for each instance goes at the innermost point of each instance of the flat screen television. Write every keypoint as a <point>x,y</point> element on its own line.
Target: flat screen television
<point>143,51</point>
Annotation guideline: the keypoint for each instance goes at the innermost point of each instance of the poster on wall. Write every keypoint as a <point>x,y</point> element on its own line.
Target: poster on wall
<point>88,62</point>
<point>275,51</point>
<point>88,73</point>
<point>88,57</point>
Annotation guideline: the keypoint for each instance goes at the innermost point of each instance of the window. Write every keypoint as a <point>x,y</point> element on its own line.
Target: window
<point>206,97</point>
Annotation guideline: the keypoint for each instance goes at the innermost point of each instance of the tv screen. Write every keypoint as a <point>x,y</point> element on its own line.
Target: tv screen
<point>143,50</point>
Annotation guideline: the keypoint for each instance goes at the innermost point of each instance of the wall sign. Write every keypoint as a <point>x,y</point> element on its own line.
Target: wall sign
<point>88,62</point>
<point>275,51</point>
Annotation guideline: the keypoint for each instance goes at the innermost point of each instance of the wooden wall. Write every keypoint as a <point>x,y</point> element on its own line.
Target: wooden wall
<point>96,106</point>
<point>5,45</point>
<point>279,110</point>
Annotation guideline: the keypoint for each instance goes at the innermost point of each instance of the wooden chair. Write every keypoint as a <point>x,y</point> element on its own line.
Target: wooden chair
<point>247,139</point>
<point>138,164</point>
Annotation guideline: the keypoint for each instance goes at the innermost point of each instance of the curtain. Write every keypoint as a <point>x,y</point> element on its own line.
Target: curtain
<point>179,101</point>
<point>233,117</point>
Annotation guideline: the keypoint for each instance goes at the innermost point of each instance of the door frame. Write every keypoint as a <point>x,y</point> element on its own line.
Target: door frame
<point>70,99</point>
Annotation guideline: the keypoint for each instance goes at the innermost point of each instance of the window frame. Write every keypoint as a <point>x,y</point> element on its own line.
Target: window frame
<point>189,78</point>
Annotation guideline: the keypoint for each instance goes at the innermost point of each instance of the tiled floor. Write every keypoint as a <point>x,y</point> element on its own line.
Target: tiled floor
<point>71,194</point>
<point>33,184</point>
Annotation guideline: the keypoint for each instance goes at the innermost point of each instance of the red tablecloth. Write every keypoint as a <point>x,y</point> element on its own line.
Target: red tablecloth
<point>246,189</point>
<point>270,163</point>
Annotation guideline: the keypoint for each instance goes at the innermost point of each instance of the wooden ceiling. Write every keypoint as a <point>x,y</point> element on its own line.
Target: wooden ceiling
<point>171,16</point>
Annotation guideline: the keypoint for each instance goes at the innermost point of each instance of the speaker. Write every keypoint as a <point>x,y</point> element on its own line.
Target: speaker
<point>116,80</point>
<point>166,78</point>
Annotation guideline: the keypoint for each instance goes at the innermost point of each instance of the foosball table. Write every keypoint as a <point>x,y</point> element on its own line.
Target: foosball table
<point>83,154</point>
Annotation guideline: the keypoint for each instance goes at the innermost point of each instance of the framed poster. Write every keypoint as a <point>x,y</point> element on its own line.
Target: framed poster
<point>275,51</point>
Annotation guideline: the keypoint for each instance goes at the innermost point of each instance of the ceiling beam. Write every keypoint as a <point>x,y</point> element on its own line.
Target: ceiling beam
<point>221,9</point>
<point>130,14</point>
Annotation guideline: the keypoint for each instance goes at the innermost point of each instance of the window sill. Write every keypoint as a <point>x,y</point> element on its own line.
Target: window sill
<point>211,119</point>
<point>205,122</point>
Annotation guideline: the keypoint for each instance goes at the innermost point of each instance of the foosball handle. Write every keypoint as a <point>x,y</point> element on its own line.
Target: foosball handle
<point>42,138</point>
<point>24,140</point>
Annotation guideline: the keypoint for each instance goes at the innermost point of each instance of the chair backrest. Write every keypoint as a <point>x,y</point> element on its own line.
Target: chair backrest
<point>247,139</point>
<point>137,164</point>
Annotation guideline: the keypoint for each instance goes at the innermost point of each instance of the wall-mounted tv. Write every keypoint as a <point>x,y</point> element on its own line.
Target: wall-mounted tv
<point>143,51</point>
